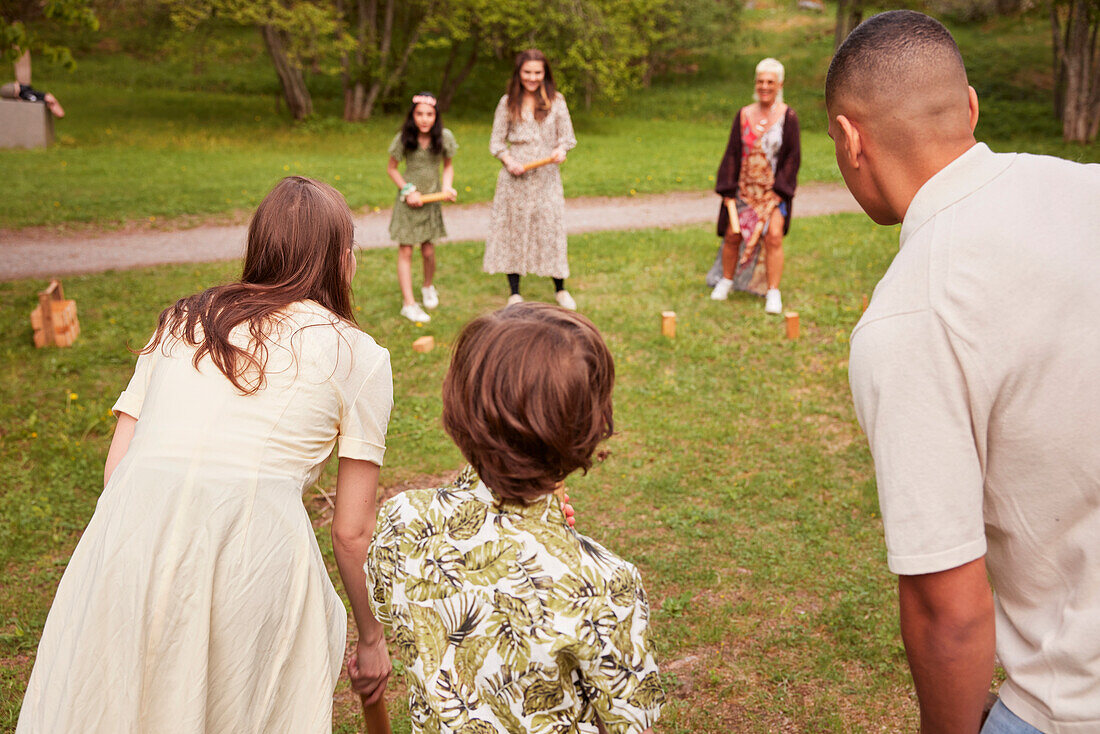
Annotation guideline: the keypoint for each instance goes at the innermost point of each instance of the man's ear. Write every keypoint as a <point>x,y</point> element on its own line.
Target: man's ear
<point>851,145</point>
<point>973,108</point>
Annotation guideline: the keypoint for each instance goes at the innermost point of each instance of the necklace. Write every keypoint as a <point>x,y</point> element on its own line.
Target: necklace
<point>764,122</point>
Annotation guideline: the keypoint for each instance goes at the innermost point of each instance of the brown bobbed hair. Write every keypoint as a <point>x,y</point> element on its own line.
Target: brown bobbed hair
<point>546,95</point>
<point>298,245</point>
<point>527,398</point>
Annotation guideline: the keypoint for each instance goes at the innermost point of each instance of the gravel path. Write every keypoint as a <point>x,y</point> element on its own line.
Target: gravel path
<point>34,254</point>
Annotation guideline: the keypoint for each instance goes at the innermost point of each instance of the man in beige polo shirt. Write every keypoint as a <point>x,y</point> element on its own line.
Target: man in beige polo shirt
<point>976,375</point>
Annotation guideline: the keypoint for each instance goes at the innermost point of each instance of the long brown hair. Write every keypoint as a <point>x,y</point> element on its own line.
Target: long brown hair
<point>544,100</point>
<point>527,398</point>
<point>298,245</point>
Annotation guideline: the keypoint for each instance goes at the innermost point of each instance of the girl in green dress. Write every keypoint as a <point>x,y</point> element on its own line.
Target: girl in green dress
<point>424,144</point>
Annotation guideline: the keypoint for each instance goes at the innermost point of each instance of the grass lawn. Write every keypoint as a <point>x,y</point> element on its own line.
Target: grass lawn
<point>186,128</point>
<point>738,480</point>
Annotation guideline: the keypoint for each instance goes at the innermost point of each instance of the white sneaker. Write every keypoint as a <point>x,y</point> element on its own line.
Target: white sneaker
<point>413,312</point>
<point>431,297</point>
<point>565,300</point>
<point>773,302</point>
<point>722,290</point>
<point>515,298</point>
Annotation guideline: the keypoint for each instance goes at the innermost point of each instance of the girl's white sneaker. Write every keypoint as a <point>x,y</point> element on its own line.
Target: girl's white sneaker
<point>413,312</point>
<point>722,290</point>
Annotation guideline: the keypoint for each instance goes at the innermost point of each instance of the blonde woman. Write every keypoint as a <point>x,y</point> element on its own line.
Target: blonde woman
<point>759,173</point>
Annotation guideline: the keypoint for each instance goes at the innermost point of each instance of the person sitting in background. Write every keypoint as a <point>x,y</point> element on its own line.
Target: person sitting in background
<point>27,93</point>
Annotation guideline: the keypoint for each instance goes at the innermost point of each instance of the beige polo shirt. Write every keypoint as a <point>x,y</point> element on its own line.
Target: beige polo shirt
<point>976,374</point>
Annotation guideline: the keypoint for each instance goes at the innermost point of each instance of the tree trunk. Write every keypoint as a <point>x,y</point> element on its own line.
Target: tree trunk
<point>1080,61</point>
<point>383,79</point>
<point>449,85</point>
<point>849,14</point>
<point>295,92</point>
<point>1058,46</point>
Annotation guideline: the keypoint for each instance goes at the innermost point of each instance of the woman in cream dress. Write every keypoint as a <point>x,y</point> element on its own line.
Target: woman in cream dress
<point>197,599</point>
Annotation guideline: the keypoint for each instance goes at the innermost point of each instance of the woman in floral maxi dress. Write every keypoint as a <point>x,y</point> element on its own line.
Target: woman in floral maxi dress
<point>759,173</point>
<point>526,227</point>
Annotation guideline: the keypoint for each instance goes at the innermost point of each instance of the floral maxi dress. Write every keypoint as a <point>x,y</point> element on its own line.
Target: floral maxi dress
<point>755,204</point>
<point>527,223</point>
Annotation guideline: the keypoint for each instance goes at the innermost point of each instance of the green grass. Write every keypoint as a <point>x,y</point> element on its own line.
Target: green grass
<point>738,480</point>
<point>180,128</point>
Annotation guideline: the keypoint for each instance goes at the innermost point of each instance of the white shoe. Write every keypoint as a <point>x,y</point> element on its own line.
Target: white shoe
<point>722,290</point>
<point>773,302</point>
<point>565,300</point>
<point>431,297</point>
<point>413,312</point>
<point>515,298</point>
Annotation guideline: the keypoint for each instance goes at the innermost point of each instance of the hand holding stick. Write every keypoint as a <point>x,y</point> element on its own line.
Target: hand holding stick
<point>438,196</point>
<point>369,681</point>
<point>540,162</point>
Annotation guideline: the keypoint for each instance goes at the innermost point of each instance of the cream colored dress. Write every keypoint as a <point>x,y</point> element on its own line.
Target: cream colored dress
<point>197,599</point>
<point>527,221</point>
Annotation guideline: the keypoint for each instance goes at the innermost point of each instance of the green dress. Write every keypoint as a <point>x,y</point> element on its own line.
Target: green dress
<point>411,226</point>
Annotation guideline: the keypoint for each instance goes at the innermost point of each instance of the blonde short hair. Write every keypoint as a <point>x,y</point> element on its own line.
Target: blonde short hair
<point>770,66</point>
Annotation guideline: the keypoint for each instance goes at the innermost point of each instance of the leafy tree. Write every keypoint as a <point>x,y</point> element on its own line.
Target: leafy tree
<point>292,30</point>
<point>376,39</point>
<point>16,38</point>
<point>600,48</point>
<point>367,42</point>
<point>687,28</point>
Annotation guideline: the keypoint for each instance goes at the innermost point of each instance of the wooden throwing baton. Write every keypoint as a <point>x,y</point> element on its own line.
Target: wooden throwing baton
<point>536,164</point>
<point>432,198</point>
<point>378,719</point>
<point>735,220</point>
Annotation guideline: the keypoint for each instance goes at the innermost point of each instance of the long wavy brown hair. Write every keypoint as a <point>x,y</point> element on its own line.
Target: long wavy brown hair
<point>298,245</point>
<point>546,95</point>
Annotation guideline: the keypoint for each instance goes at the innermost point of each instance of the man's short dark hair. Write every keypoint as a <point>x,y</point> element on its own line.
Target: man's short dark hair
<point>886,47</point>
<point>528,397</point>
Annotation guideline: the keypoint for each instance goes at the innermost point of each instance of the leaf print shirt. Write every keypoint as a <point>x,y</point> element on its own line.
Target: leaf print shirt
<point>507,620</point>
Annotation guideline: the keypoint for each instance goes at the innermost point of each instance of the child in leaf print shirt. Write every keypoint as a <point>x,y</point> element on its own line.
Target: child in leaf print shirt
<point>505,618</point>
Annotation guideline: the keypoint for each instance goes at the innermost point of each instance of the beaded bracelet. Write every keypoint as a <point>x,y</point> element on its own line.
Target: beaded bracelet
<point>406,190</point>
